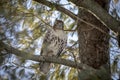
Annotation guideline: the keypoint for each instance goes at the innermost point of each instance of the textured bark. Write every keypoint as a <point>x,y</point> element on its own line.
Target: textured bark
<point>93,44</point>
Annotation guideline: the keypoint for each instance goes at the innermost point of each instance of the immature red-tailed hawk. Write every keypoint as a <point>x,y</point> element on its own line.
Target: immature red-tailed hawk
<point>54,43</point>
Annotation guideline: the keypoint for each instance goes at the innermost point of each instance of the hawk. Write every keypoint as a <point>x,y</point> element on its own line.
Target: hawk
<point>54,43</point>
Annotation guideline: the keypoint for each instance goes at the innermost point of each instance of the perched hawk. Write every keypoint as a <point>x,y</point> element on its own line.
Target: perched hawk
<point>54,43</point>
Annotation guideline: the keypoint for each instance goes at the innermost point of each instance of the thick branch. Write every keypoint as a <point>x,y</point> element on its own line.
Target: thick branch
<point>52,59</point>
<point>38,58</point>
<point>90,5</point>
<point>99,12</point>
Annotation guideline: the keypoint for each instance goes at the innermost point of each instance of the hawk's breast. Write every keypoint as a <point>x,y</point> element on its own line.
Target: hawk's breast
<point>57,41</point>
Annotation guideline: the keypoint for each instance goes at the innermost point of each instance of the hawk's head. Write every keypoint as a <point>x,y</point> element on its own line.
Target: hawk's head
<point>58,25</point>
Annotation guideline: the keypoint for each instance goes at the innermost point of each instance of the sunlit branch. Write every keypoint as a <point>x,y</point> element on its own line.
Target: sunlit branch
<point>50,59</point>
<point>69,13</point>
<point>39,58</point>
<point>75,17</point>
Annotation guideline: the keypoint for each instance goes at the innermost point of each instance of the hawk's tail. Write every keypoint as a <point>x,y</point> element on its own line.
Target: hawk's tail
<point>44,67</point>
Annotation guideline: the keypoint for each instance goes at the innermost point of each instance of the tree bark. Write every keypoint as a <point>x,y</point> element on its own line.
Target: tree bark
<point>93,45</point>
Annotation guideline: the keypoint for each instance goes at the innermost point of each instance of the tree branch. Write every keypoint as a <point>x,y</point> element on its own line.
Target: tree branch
<point>97,10</point>
<point>69,13</point>
<point>58,7</point>
<point>90,5</point>
<point>52,59</point>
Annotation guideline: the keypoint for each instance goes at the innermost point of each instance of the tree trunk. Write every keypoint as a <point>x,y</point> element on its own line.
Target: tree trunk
<point>93,44</point>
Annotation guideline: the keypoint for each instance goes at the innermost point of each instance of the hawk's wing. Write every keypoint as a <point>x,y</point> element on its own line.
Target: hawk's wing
<point>52,45</point>
<point>63,44</point>
<point>48,40</point>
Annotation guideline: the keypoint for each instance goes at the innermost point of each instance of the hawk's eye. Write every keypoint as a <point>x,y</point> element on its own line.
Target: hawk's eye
<point>58,24</point>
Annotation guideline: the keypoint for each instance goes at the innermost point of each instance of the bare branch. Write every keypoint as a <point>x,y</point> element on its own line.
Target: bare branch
<point>52,59</point>
<point>38,58</point>
<point>96,9</point>
<point>69,13</point>
<point>58,7</point>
